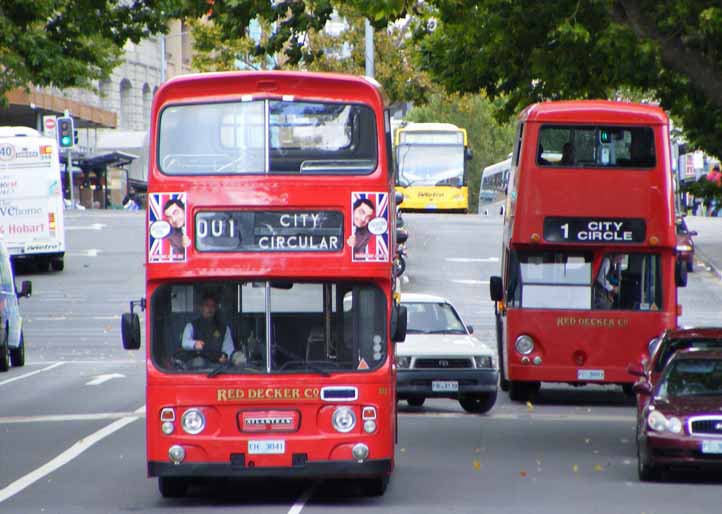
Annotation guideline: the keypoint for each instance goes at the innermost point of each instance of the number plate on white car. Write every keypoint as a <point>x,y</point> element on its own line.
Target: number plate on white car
<point>266,446</point>
<point>711,446</point>
<point>590,374</point>
<point>444,386</point>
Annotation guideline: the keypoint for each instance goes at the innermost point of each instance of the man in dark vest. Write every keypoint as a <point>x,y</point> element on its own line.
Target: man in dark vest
<point>207,333</point>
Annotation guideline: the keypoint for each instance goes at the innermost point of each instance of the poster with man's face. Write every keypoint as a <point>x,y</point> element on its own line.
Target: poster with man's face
<point>167,218</point>
<point>369,239</point>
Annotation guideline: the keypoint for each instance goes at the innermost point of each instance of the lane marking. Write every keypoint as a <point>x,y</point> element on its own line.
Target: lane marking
<point>26,375</point>
<point>470,282</point>
<point>93,252</point>
<point>301,502</point>
<point>74,318</point>
<point>94,226</point>
<point>71,453</point>
<point>97,416</point>
<point>470,259</point>
<point>101,379</point>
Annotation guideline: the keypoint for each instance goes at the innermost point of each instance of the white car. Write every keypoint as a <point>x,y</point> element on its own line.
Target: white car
<point>441,359</point>
<point>12,342</point>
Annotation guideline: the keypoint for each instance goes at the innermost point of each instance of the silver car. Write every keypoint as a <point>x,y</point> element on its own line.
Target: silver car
<point>12,342</point>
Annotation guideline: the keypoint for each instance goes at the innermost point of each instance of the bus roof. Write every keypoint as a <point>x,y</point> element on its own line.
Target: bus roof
<point>595,111</point>
<point>18,131</point>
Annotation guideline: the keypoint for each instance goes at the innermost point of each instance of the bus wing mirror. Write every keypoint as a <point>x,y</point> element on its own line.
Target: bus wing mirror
<point>496,289</point>
<point>642,388</point>
<point>468,154</point>
<point>399,197</point>
<point>26,289</point>
<point>402,235</point>
<point>130,330</point>
<point>399,326</point>
<point>635,369</point>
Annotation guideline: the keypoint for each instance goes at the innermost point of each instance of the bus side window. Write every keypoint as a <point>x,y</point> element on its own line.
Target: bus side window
<point>517,145</point>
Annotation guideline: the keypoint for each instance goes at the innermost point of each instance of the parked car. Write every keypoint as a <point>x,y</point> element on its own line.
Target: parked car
<point>663,347</point>
<point>12,342</point>
<point>680,424</point>
<point>440,357</point>
<point>685,244</point>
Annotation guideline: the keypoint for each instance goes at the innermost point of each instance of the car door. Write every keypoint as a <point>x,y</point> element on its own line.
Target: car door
<point>9,301</point>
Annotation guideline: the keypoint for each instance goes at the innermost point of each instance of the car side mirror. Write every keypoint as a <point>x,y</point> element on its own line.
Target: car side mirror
<point>693,233</point>
<point>402,235</point>
<point>130,330</point>
<point>26,289</point>
<point>470,329</point>
<point>398,324</point>
<point>642,388</point>
<point>468,154</point>
<point>635,369</point>
<point>496,289</point>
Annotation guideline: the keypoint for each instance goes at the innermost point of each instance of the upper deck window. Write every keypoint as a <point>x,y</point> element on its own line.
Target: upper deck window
<point>267,136</point>
<point>596,146</point>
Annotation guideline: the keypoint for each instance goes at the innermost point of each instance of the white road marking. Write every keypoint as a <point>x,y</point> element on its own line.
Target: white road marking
<point>301,502</point>
<point>465,259</point>
<point>93,252</point>
<point>94,226</point>
<point>65,318</point>
<point>71,453</point>
<point>100,379</point>
<point>26,375</point>
<point>471,282</point>
<point>97,416</point>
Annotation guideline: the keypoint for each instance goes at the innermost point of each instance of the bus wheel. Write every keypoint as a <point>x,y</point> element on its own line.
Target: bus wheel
<point>479,404</point>
<point>17,355</point>
<point>172,487</point>
<point>523,391</point>
<point>57,264</point>
<point>415,402</point>
<point>374,486</point>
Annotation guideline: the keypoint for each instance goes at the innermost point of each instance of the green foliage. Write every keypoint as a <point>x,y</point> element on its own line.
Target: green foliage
<point>70,43</point>
<point>490,140</point>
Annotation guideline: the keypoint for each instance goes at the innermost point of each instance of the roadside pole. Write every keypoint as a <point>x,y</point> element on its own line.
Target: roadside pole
<point>69,170</point>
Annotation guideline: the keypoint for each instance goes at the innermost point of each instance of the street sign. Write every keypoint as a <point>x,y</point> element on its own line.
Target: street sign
<point>49,126</point>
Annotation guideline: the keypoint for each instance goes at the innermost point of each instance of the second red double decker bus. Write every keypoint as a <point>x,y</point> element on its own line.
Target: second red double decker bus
<point>588,256</point>
<point>270,289</point>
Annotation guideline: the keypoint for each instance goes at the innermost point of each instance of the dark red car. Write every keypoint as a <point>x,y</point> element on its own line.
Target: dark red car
<point>685,245</point>
<point>680,424</point>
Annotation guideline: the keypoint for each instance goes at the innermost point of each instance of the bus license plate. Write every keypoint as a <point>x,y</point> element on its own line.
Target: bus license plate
<point>590,374</point>
<point>711,446</point>
<point>266,446</point>
<point>444,386</point>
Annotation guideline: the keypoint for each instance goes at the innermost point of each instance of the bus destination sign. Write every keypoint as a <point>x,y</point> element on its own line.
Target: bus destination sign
<point>269,231</point>
<point>594,230</point>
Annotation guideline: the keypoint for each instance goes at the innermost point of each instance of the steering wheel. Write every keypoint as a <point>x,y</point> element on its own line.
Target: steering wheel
<point>185,356</point>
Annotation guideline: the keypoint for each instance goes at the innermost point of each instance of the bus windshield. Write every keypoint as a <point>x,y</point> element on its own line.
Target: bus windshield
<point>266,136</point>
<point>431,165</point>
<point>268,327</point>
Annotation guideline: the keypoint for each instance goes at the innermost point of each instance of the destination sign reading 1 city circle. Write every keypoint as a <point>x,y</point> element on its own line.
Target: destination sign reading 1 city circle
<point>594,230</point>
<point>269,231</point>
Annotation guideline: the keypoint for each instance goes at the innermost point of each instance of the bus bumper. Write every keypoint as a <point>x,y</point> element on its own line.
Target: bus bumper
<point>417,383</point>
<point>238,468</point>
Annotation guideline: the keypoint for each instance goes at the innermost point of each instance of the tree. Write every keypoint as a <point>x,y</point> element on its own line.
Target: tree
<point>70,43</point>
<point>489,140</point>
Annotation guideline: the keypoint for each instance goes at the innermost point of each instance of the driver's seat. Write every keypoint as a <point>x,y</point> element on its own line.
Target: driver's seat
<point>315,344</point>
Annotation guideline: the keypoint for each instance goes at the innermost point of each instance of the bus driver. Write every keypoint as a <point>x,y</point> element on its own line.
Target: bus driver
<point>207,332</point>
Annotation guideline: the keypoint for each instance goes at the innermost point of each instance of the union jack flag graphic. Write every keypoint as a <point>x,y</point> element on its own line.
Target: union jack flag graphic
<point>376,231</point>
<point>165,242</point>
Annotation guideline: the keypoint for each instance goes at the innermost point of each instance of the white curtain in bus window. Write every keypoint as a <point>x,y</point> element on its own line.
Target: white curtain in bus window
<point>556,281</point>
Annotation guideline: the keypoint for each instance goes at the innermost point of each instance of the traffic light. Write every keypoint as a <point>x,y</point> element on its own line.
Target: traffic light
<point>66,132</point>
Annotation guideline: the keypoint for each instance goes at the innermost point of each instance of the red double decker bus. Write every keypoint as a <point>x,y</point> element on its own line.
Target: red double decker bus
<point>270,309</point>
<point>589,273</point>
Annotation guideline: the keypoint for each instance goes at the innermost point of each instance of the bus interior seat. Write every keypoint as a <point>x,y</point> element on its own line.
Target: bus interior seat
<point>316,344</point>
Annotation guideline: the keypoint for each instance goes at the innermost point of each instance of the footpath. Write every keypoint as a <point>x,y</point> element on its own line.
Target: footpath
<point>708,242</point>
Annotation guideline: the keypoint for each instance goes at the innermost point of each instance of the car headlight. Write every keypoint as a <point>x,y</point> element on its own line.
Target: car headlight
<point>659,423</point>
<point>524,344</point>
<point>684,248</point>
<point>483,361</point>
<point>403,362</point>
<point>343,419</point>
<point>193,421</point>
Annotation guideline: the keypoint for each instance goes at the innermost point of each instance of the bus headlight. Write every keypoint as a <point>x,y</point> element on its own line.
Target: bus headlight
<point>403,362</point>
<point>524,344</point>
<point>343,419</point>
<point>483,361</point>
<point>193,421</point>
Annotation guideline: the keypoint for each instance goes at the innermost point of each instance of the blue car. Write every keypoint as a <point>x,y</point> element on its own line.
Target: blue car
<point>12,343</point>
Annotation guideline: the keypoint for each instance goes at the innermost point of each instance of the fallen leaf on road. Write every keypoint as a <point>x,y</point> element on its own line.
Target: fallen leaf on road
<point>575,468</point>
<point>522,474</point>
<point>477,464</point>
<point>598,468</point>
<point>529,406</point>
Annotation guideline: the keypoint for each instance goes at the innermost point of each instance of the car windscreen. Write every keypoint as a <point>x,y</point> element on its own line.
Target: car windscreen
<point>692,377</point>
<point>670,346</point>
<point>432,318</point>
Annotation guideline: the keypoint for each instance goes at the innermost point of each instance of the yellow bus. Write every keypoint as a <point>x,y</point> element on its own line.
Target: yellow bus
<point>431,167</point>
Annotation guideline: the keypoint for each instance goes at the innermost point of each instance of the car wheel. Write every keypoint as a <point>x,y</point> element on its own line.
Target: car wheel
<point>690,265</point>
<point>646,472</point>
<point>172,487</point>
<point>17,355</point>
<point>374,486</point>
<point>523,391</point>
<point>479,404</point>
<point>415,402</point>
<point>5,353</point>
<point>57,264</point>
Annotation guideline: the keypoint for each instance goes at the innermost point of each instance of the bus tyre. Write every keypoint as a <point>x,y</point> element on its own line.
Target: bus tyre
<point>415,402</point>
<point>17,355</point>
<point>57,264</point>
<point>478,404</point>
<point>523,391</point>
<point>172,487</point>
<point>374,486</point>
